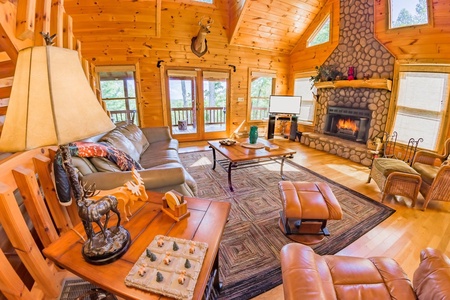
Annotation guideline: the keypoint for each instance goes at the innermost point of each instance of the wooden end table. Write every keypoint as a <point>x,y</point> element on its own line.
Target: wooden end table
<point>238,156</point>
<point>205,224</point>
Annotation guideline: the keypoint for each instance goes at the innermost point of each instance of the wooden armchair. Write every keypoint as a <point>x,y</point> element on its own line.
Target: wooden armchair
<point>435,172</point>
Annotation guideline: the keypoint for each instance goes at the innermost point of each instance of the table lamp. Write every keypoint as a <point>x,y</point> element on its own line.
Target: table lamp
<point>52,103</point>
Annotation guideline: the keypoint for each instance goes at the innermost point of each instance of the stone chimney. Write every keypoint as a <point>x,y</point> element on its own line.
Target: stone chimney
<point>358,48</point>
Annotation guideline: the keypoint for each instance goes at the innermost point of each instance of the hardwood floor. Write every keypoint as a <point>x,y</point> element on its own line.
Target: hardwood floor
<point>402,236</point>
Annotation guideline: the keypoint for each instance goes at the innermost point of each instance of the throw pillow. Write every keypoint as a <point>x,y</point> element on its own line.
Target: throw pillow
<point>136,136</point>
<point>116,139</point>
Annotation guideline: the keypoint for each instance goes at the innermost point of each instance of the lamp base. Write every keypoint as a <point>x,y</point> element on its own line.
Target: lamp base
<point>99,250</point>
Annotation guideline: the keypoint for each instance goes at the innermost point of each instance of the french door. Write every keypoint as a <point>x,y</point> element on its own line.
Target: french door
<point>198,104</point>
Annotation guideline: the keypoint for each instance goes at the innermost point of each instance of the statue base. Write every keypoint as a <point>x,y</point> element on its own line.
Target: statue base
<point>101,250</point>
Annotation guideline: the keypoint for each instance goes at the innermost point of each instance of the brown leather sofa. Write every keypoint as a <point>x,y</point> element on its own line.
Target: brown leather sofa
<point>307,275</point>
<point>152,147</point>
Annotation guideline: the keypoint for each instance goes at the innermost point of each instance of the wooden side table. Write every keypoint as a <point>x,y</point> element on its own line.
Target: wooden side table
<point>205,224</point>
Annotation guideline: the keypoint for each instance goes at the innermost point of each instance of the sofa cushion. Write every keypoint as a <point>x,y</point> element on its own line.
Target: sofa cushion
<point>136,136</point>
<point>163,145</point>
<point>83,165</point>
<point>388,165</point>
<point>118,140</point>
<point>190,181</point>
<point>156,158</point>
<point>102,164</point>
<point>428,172</point>
<point>432,278</point>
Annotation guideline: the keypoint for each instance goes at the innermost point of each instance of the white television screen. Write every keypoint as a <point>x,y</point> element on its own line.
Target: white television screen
<point>285,104</point>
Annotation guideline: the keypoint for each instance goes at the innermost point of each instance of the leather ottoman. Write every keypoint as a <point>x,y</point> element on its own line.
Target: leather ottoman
<point>307,206</point>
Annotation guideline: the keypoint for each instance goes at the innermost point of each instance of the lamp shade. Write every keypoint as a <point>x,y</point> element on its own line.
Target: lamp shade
<point>51,102</point>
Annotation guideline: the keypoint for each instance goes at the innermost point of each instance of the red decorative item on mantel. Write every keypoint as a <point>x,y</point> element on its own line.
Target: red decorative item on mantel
<point>351,73</point>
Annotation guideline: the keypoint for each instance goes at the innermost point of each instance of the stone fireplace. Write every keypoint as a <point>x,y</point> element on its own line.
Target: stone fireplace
<point>357,48</point>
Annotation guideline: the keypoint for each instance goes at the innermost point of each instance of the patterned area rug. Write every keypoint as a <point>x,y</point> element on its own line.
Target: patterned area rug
<point>249,252</point>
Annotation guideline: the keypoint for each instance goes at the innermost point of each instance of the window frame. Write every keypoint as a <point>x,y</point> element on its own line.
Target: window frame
<point>408,27</point>
<point>306,75</point>
<point>127,98</point>
<point>444,129</point>
<point>258,73</point>
<point>317,30</point>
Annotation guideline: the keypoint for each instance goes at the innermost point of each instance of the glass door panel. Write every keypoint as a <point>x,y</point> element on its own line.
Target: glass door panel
<point>183,110</point>
<point>215,105</point>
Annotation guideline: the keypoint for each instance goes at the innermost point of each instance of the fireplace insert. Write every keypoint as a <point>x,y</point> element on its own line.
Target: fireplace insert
<point>348,123</point>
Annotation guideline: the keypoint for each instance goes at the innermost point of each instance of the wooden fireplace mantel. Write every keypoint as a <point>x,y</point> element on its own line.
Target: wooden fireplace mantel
<point>382,83</point>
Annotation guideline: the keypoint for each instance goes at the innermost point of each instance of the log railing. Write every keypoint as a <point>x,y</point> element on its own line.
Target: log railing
<point>123,116</point>
<point>213,115</point>
<point>25,180</point>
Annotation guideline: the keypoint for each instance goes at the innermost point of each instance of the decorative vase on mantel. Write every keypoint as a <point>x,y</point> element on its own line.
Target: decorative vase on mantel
<point>253,135</point>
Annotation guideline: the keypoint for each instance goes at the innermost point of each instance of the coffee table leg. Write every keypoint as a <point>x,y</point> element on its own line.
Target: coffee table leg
<point>229,177</point>
<point>281,169</point>
<point>213,281</point>
<point>214,157</point>
<point>217,283</point>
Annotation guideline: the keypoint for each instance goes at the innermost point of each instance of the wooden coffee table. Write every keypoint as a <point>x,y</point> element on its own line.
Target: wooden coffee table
<point>205,224</point>
<point>239,156</point>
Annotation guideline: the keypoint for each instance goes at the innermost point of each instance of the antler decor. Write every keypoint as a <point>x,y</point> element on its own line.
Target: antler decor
<point>199,45</point>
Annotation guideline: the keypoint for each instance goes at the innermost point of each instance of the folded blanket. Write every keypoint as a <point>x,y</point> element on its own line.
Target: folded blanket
<point>87,149</point>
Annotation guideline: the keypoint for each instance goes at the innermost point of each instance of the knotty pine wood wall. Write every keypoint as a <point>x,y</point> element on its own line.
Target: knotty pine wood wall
<point>304,59</point>
<point>418,44</point>
<point>426,44</point>
<point>179,23</point>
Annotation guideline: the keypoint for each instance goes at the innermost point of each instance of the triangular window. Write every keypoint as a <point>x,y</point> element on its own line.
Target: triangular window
<point>321,34</point>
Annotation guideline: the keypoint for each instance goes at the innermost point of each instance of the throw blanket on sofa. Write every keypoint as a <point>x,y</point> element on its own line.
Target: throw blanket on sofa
<point>120,158</point>
<point>86,149</point>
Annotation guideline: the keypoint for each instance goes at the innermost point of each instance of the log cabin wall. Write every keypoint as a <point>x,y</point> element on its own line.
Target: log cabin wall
<point>179,23</point>
<point>425,44</point>
<point>417,44</point>
<point>303,58</point>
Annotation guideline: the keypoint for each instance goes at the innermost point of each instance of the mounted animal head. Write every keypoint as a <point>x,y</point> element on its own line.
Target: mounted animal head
<point>199,45</point>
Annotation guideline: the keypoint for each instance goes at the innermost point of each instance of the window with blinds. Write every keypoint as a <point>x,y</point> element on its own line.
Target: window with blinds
<point>421,106</point>
<point>302,87</point>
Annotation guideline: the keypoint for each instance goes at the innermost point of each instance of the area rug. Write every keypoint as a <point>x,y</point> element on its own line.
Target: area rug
<point>249,258</point>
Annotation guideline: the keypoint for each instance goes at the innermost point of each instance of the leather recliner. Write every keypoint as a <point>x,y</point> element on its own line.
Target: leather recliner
<point>307,275</point>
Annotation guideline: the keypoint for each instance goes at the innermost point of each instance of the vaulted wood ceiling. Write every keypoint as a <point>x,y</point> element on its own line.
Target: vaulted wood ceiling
<point>274,25</point>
